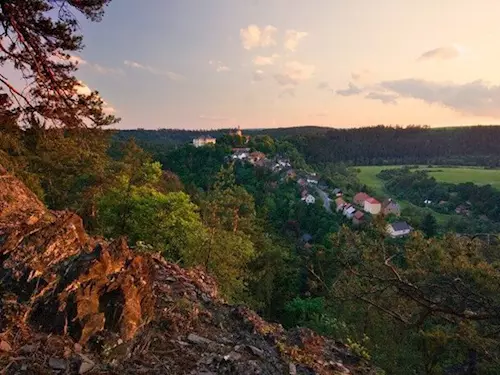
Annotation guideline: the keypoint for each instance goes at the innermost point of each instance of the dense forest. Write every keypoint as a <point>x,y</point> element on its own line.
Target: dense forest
<point>363,146</point>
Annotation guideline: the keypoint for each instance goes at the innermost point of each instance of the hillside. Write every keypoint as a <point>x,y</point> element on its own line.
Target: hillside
<point>473,145</point>
<point>73,304</point>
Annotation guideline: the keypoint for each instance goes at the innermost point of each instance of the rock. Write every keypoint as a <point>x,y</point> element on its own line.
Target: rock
<point>5,346</point>
<point>28,349</point>
<point>256,351</point>
<point>57,364</point>
<point>340,368</point>
<point>195,339</point>
<point>85,367</point>
<point>292,370</point>
<point>233,356</point>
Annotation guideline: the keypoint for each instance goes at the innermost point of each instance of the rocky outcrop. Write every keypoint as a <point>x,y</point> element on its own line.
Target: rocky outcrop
<point>72,304</point>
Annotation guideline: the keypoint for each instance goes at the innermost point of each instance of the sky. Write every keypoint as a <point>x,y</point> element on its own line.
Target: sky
<point>204,64</point>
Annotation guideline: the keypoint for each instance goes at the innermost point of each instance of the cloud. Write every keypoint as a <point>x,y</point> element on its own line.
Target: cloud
<point>288,92</point>
<point>325,86</point>
<point>442,53</point>
<point>258,76</point>
<point>170,75</point>
<point>214,118</point>
<point>474,98</point>
<point>383,97</point>
<point>77,60</point>
<point>82,89</point>
<point>265,60</point>
<point>253,36</point>
<point>292,39</point>
<point>219,66</point>
<point>294,72</point>
<point>351,90</point>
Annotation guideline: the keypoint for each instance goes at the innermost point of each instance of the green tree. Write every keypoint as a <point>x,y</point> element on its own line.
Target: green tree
<point>228,213</point>
<point>438,299</point>
<point>168,222</point>
<point>429,225</point>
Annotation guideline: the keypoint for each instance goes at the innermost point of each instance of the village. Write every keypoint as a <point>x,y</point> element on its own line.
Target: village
<point>311,188</point>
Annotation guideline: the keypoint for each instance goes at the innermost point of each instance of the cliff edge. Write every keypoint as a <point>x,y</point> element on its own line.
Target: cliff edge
<point>73,304</point>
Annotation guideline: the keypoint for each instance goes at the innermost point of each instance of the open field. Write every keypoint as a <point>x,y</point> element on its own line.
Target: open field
<point>479,176</point>
<point>455,175</point>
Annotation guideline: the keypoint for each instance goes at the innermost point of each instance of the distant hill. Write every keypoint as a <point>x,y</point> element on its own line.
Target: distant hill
<point>472,145</point>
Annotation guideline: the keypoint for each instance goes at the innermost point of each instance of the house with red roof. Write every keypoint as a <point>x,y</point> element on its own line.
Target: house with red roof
<point>372,206</point>
<point>360,199</point>
<point>358,218</point>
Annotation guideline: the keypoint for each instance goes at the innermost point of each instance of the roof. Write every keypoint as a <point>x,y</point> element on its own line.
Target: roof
<point>372,200</point>
<point>400,226</point>
<point>359,215</point>
<point>205,137</point>
<point>257,154</point>
<point>339,201</point>
<point>361,196</point>
<point>307,237</point>
<point>337,190</point>
<point>350,210</point>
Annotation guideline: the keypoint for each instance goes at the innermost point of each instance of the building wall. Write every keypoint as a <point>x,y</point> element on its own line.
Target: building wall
<point>373,208</point>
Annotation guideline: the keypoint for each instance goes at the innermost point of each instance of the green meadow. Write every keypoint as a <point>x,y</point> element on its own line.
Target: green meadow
<point>454,175</point>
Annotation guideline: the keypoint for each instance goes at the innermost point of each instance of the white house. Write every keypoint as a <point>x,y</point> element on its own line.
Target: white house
<point>349,211</point>
<point>312,180</point>
<point>240,153</point>
<point>203,141</point>
<point>372,206</point>
<point>309,199</point>
<point>398,229</point>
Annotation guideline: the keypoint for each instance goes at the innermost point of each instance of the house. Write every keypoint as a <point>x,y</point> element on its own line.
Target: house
<point>302,182</point>
<point>256,157</point>
<point>372,206</point>
<point>291,174</point>
<point>309,199</point>
<point>427,201</point>
<point>358,218</point>
<point>203,141</point>
<point>349,211</point>
<point>340,203</point>
<point>399,229</point>
<point>337,192</point>
<point>238,133</point>
<point>312,180</point>
<point>240,153</point>
<point>306,238</point>
<point>389,207</point>
<point>462,210</point>
<point>360,198</point>
<point>303,194</point>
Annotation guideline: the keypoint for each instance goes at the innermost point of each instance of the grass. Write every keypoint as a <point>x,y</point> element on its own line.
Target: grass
<point>454,175</point>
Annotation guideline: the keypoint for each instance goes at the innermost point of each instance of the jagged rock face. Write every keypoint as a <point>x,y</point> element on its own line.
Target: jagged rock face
<point>72,304</point>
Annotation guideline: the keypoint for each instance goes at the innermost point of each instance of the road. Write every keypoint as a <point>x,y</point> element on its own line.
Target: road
<point>326,200</point>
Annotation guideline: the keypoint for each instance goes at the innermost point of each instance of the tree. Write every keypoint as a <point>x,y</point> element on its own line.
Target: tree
<point>38,37</point>
<point>228,213</point>
<point>440,297</point>
<point>168,222</point>
<point>429,225</point>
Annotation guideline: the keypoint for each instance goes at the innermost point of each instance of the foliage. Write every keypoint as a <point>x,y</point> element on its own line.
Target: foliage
<point>168,222</point>
<point>38,39</point>
<point>441,294</point>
